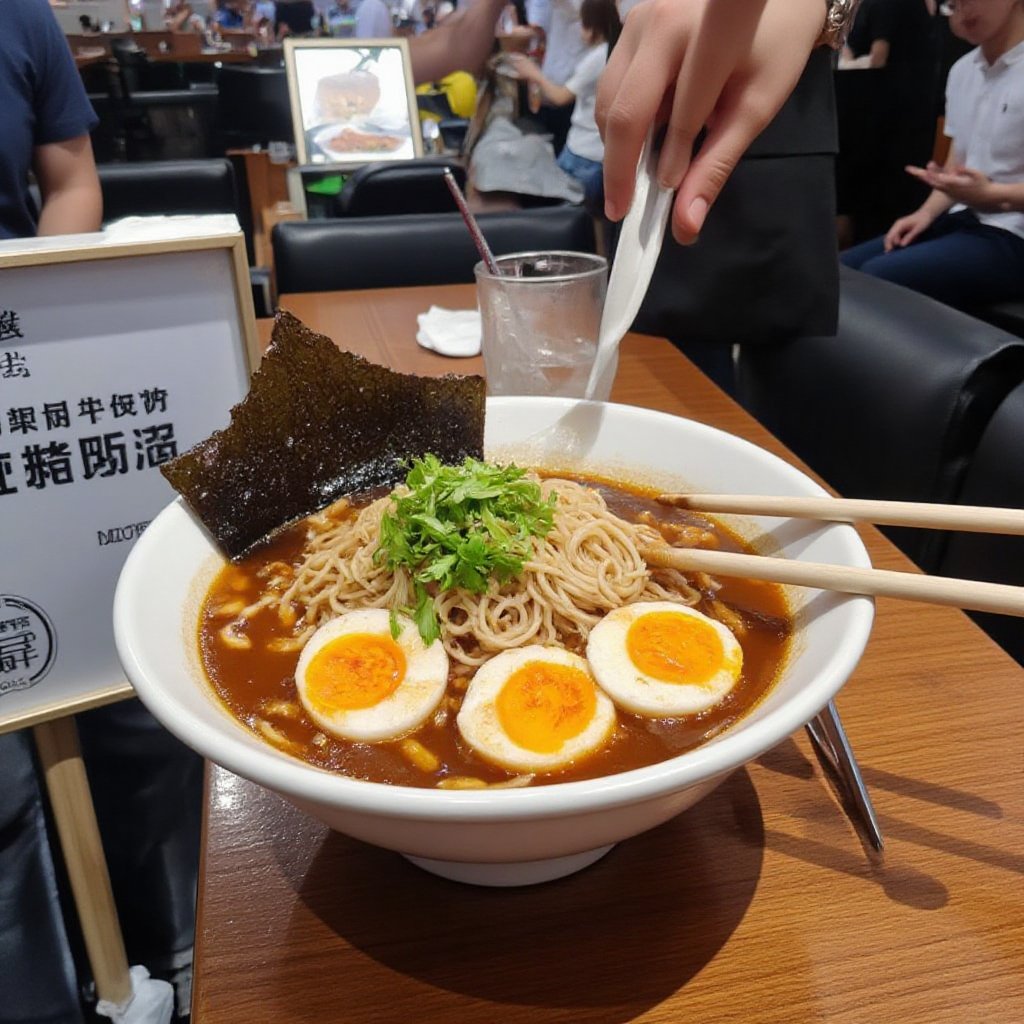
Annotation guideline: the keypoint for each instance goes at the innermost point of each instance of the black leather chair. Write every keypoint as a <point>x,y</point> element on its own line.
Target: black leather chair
<point>182,187</point>
<point>253,107</point>
<point>409,186</point>
<point>1007,315</point>
<point>994,477</point>
<point>167,187</point>
<point>419,249</point>
<point>892,407</point>
<point>137,73</point>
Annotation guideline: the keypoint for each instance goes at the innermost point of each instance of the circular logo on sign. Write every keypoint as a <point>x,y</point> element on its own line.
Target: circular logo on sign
<point>28,643</point>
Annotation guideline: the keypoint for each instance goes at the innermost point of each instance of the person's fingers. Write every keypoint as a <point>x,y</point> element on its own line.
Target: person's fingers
<point>722,38</point>
<point>731,131</point>
<point>694,99</point>
<point>628,118</point>
<point>910,234</point>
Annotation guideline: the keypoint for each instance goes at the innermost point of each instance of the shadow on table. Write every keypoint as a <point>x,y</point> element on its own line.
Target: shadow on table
<point>611,941</point>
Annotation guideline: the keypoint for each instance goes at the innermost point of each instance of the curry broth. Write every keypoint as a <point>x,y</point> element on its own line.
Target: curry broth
<point>250,680</point>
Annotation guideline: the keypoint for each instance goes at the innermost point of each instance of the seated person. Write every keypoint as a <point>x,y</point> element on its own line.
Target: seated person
<point>226,14</point>
<point>583,151</point>
<point>180,17</point>
<point>965,244</point>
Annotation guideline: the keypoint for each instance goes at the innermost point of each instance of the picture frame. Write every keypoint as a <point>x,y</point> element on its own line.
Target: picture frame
<point>353,101</point>
<point>153,340</point>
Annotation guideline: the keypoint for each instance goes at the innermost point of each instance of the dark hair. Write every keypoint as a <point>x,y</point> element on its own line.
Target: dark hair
<point>602,18</point>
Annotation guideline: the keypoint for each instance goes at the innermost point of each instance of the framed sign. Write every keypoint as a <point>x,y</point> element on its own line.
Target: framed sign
<point>353,101</point>
<point>116,353</point>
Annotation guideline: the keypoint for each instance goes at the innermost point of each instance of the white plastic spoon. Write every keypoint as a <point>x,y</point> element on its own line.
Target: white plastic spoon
<point>640,238</point>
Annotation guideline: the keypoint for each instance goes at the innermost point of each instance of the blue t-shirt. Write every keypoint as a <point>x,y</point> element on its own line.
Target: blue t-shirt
<point>42,100</point>
<point>227,18</point>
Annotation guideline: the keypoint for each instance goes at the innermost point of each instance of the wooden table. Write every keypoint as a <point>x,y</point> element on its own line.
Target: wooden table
<point>757,905</point>
<point>202,57</point>
<point>90,60</point>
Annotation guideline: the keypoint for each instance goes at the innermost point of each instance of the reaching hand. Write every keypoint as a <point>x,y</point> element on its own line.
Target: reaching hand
<point>906,229</point>
<point>524,67</point>
<point>725,64</point>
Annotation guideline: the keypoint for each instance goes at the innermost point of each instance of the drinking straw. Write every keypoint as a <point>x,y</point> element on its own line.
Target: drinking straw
<point>474,229</point>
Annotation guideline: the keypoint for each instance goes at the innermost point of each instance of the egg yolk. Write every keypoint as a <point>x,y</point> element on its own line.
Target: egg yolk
<point>542,705</point>
<point>354,671</point>
<point>674,648</point>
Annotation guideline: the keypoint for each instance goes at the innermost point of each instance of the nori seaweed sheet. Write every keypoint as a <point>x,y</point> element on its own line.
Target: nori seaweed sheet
<point>317,424</point>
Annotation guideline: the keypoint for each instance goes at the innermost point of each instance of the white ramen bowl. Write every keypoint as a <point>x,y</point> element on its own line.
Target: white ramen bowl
<point>512,836</point>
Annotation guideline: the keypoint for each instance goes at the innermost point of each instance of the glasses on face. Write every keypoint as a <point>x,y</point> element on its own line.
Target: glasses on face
<point>951,7</point>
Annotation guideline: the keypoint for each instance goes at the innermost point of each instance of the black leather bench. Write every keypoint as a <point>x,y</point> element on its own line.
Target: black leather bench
<point>895,405</point>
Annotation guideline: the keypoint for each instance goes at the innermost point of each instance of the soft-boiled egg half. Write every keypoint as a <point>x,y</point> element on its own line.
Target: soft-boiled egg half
<point>535,709</point>
<point>357,682</point>
<point>663,660</point>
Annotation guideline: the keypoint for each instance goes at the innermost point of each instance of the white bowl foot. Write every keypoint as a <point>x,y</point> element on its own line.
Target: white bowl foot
<point>524,872</point>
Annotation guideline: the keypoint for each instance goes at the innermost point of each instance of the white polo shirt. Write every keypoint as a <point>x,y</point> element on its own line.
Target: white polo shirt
<point>584,139</point>
<point>985,120</point>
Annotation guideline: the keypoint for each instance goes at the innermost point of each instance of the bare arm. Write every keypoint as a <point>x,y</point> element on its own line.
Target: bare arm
<point>908,228</point>
<point>461,42</point>
<point>557,95</point>
<point>70,187</point>
<point>878,55</point>
<point>1006,196</point>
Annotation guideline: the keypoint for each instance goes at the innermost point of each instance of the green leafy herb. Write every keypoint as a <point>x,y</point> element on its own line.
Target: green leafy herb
<point>459,527</point>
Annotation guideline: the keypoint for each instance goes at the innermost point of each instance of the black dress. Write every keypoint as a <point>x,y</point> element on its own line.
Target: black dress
<point>765,267</point>
<point>890,121</point>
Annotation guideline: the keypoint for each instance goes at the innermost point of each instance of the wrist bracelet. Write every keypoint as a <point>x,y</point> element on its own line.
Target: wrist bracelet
<point>838,19</point>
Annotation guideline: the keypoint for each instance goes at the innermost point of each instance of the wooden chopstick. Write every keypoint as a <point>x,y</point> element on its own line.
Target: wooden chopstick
<point>983,597</point>
<point>970,518</point>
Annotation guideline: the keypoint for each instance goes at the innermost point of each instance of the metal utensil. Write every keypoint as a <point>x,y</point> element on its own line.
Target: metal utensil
<point>828,737</point>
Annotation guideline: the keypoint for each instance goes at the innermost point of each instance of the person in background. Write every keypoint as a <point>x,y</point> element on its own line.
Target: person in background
<point>583,151</point>
<point>898,36</point>
<point>891,33</point>
<point>226,14</point>
<point>180,17</point>
<point>45,120</point>
<point>461,42</point>
<point>563,47</point>
<point>965,244</point>
<point>373,20</point>
<point>261,17</point>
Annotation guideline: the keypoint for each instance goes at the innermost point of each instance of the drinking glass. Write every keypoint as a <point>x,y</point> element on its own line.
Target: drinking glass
<point>540,317</point>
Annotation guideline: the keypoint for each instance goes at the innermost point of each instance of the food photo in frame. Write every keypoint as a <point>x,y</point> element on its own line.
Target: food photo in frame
<point>352,100</point>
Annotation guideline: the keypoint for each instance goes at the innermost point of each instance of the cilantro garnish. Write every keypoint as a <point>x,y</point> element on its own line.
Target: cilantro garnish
<point>459,527</point>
